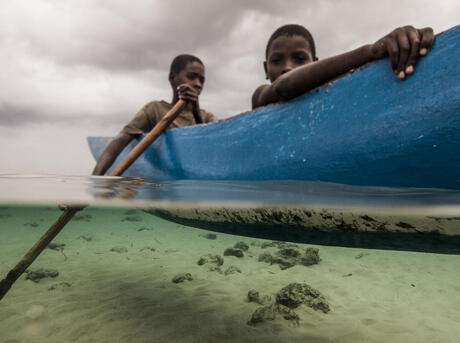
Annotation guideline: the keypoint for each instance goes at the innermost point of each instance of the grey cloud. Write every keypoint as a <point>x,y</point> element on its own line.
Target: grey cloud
<point>113,38</point>
<point>230,37</point>
<point>112,35</point>
<point>144,35</point>
<point>11,116</point>
<point>20,116</point>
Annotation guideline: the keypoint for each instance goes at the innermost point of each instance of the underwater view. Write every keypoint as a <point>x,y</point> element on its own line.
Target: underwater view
<point>256,262</point>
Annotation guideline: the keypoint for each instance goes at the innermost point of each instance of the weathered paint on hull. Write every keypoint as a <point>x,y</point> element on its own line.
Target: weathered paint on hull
<point>326,226</point>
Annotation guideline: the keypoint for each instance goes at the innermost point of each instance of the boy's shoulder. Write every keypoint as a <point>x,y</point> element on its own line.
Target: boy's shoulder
<point>157,104</point>
<point>156,108</point>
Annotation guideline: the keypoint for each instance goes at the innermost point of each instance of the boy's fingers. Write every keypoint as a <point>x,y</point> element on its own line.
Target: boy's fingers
<point>414,39</point>
<point>185,92</point>
<point>186,88</point>
<point>393,52</point>
<point>404,49</point>
<point>188,97</point>
<point>183,87</point>
<point>427,39</point>
<point>189,92</point>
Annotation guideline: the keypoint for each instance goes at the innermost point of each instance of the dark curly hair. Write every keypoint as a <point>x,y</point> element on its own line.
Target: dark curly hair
<point>179,62</point>
<point>292,30</point>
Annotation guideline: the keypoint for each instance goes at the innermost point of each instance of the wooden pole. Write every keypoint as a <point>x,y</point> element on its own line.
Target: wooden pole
<point>159,128</point>
<point>70,211</point>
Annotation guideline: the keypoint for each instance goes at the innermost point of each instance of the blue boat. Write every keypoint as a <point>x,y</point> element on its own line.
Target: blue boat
<point>366,128</point>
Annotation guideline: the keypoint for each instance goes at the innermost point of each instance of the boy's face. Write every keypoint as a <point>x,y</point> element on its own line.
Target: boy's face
<point>192,74</point>
<point>286,53</point>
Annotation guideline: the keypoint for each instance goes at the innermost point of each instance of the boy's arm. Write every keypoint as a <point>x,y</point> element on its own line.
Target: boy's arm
<point>111,152</point>
<point>197,113</point>
<point>404,46</point>
<point>306,77</point>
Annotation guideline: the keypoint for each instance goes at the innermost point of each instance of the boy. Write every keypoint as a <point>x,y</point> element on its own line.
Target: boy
<point>292,66</point>
<point>186,77</point>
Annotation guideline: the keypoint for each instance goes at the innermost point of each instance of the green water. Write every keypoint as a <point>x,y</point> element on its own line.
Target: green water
<point>116,265</point>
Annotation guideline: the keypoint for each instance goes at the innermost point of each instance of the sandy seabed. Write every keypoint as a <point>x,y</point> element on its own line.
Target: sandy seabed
<point>127,295</point>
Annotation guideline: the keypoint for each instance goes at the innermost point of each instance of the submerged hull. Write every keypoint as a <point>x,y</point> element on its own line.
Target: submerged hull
<point>425,220</point>
<point>367,128</point>
<point>326,226</point>
<point>418,219</point>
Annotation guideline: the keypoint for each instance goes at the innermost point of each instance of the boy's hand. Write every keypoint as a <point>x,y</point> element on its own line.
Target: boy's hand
<point>188,93</point>
<point>404,46</point>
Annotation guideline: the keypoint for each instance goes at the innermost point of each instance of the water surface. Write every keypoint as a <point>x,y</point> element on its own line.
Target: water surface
<point>115,264</point>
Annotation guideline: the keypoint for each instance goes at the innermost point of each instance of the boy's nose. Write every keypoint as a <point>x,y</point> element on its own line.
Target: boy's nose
<point>287,67</point>
<point>197,84</point>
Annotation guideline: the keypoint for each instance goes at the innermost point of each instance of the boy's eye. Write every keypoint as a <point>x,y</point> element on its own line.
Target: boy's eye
<point>302,57</point>
<point>194,76</point>
<point>275,59</point>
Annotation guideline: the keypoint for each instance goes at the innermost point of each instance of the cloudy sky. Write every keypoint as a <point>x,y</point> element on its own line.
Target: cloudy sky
<point>73,68</point>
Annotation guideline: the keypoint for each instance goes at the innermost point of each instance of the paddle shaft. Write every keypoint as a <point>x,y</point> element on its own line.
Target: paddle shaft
<point>35,251</point>
<point>69,212</point>
<point>149,138</point>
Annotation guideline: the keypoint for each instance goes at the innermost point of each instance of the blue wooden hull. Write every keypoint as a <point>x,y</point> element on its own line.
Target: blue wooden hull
<point>367,128</point>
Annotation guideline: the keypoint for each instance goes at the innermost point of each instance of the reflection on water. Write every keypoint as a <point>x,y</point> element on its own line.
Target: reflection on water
<point>115,190</point>
<point>297,211</point>
<point>118,273</point>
